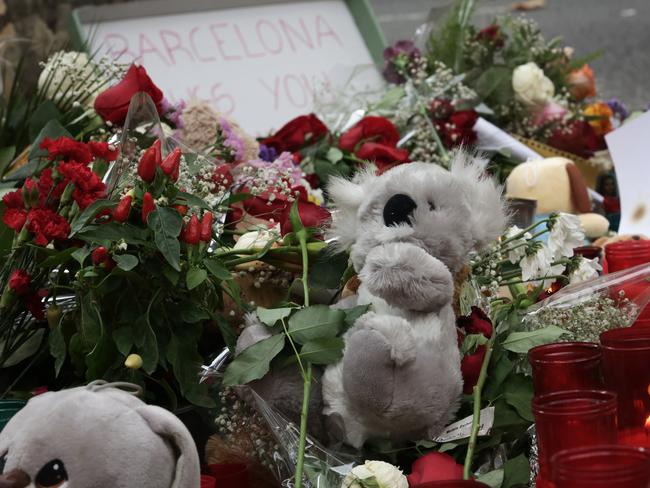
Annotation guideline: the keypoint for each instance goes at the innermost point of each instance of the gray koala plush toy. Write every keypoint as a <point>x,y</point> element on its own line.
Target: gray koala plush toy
<point>96,436</point>
<point>408,232</point>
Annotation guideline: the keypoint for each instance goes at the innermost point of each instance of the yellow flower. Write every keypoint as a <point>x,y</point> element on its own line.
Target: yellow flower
<point>602,124</point>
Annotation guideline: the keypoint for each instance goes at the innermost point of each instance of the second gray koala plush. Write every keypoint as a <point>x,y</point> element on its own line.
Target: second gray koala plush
<point>408,231</point>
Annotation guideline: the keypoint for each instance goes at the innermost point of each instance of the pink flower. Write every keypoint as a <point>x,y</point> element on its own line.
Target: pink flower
<point>549,113</point>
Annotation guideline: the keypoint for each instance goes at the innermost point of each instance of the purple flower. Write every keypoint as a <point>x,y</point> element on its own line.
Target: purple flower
<point>174,112</point>
<point>267,153</point>
<point>618,107</point>
<point>396,58</point>
<point>232,140</point>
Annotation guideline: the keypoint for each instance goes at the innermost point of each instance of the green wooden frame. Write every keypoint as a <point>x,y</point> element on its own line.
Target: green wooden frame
<point>360,10</point>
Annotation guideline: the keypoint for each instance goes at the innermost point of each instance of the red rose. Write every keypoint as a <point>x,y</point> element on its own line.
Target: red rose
<point>103,150</point>
<point>265,207</point>
<point>112,104</point>
<point>491,33</point>
<point>470,368</point>
<point>14,218</point>
<point>67,149</point>
<point>476,323</point>
<point>441,108</point>
<point>311,215</point>
<point>19,281</point>
<point>435,466</point>
<point>384,157</point>
<point>459,129</point>
<point>369,129</point>
<point>296,133</point>
<point>578,137</point>
<point>47,225</point>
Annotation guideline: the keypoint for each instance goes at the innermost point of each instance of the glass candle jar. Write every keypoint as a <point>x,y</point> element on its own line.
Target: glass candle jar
<point>627,254</point>
<point>566,366</point>
<point>573,418</point>
<point>607,466</point>
<point>626,370</point>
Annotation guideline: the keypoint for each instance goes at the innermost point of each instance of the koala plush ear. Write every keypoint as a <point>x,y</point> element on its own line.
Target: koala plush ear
<point>346,196</point>
<point>168,426</point>
<point>489,216</point>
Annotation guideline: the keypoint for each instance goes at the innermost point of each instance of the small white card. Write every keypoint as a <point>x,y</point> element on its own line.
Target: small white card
<point>629,147</point>
<point>463,428</point>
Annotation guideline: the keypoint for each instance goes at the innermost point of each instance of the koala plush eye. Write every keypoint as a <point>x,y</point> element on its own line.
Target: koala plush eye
<point>51,475</point>
<point>398,210</point>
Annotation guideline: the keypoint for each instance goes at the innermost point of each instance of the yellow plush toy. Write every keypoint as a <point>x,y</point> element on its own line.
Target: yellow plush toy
<point>558,186</point>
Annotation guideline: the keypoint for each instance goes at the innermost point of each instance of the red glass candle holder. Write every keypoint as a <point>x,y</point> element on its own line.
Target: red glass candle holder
<point>573,418</point>
<point>566,366</point>
<point>627,254</point>
<point>626,370</point>
<point>452,484</point>
<point>208,481</point>
<point>229,475</point>
<point>602,466</point>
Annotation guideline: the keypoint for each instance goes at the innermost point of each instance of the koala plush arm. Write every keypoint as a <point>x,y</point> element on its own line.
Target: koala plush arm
<point>407,277</point>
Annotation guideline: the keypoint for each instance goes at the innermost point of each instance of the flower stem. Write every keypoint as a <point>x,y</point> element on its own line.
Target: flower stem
<point>476,417</point>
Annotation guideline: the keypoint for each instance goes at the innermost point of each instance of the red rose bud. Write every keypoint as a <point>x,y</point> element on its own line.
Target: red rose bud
<point>206,227</point>
<point>148,206</point>
<point>19,281</point>
<point>434,466</point>
<point>192,233</point>
<point>121,212</point>
<point>148,162</point>
<point>171,165</point>
<point>181,209</point>
<point>99,255</point>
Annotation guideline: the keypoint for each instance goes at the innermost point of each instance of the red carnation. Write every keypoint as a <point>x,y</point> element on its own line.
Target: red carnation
<point>14,218</point>
<point>48,190</point>
<point>13,199</point>
<point>88,186</point>
<point>19,281</point>
<point>103,150</point>
<point>296,134</point>
<point>112,104</point>
<point>46,225</point>
<point>369,129</point>
<point>384,157</point>
<point>67,149</point>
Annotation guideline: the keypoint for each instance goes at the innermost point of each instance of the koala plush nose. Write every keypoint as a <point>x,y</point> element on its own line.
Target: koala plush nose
<point>398,210</point>
<point>14,479</point>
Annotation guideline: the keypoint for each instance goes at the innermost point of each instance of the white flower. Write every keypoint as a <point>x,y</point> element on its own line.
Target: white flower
<point>566,234</point>
<point>517,247</point>
<point>71,76</point>
<point>540,265</point>
<point>258,239</point>
<point>531,86</point>
<point>384,475</point>
<point>587,270</point>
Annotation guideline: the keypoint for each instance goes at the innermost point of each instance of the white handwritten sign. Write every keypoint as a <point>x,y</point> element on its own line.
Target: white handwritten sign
<point>629,146</point>
<point>261,64</point>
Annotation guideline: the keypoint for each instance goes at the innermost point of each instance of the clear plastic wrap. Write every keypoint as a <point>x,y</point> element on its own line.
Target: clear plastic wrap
<point>589,308</point>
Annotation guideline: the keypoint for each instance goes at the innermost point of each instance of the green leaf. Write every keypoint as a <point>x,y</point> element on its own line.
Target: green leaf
<point>52,129</point>
<point>254,362</point>
<point>327,269</point>
<point>493,479</point>
<point>126,261</point>
<point>190,200</point>
<point>217,269</point>
<point>91,321</point>
<point>522,342</point>
<point>334,154</point>
<point>123,338</point>
<point>472,342</point>
<point>516,472</point>
<point>88,214</point>
<point>195,276</point>
<point>500,368</point>
<point>100,359</point>
<point>81,254</point>
<point>352,314</point>
<point>149,348</point>
<point>166,225</point>
<point>269,316</point>
<point>171,274</point>
<point>238,197</point>
<point>492,79</point>
<point>113,232</point>
<point>192,313</point>
<point>6,157</point>
<point>519,395</point>
<point>58,258</point>
<point>315,322</point>
<point>43,114</point>
<point>322,351</point>
<point>58,349</point>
